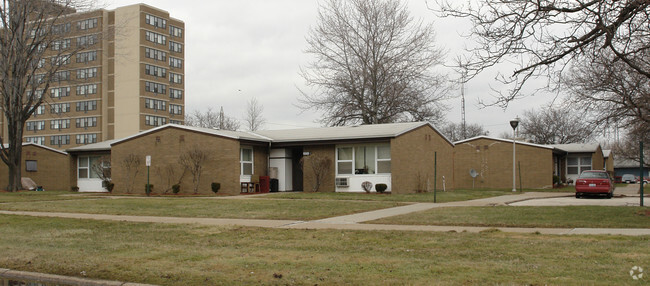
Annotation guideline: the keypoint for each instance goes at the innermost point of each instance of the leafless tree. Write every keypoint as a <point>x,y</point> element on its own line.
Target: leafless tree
<point>542,37</point>
<point>254,118</point>
<point>320,166</point>
<point>211,119</point>
<point>169,175</point>
<point>629,148</point>
<point>612,91</point>
<point>372,64</point>
<point>102,168</point>
<point>192,160</point>
<point>454,132</point>
<point>33,47</point>
<point>131,164</point>
<point>556,125</point>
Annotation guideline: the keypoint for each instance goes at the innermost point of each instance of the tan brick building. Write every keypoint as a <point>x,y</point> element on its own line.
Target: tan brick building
<point>129,77</point>
<point>491,158</point>
<point>46,166</point>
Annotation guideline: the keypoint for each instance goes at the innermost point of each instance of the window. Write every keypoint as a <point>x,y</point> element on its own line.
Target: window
<point>39,110</point>
<point>155,120</point>
<point>61,28</point>
<point>86,138</point>
<point>59,92</point>
<point>155,54</point>
<point>176,31</point>
<point>86,41</point>
<point>363,159</point>
<point>61,76</point>
<point>59,108</point>
<point>175,109</point>
<point>155,71</point>
<point>61,44</point>
<point>175,62</point>
<point>155,104</point>
<point>577,164</point>
<point>155,38</point>
<point>246,161</point>
<point>86,122</point>
<point>36,140</point>
<point>155,87</point>
<point>59,140</point>
<point>35,125</point>
<point>176,122</point>
<point>175,78</point>
<point>155,21</point>
<point>87,24</point>
<point>86,105</point>
<point>175,93</point>
<point>61,60</point>
<point>86,73</point>
<point>86,89</point>
<point>58,124</point>
<point>86,57</point>
<point>30,166</point>
<point>175,47</point>
<point>85,169</point>
<point>36,96</point>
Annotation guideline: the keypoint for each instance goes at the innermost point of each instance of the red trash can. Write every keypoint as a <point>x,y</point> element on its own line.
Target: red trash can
<point>265,183</point>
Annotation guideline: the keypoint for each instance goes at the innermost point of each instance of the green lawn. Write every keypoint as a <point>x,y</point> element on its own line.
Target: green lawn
<point>507,216</point>
<point>441,197</point>
<point>205,207</point>
<point>30,196</point>
<point>168,254</point>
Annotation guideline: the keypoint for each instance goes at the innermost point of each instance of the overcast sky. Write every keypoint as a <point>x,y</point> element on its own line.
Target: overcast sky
<point>239,49</point>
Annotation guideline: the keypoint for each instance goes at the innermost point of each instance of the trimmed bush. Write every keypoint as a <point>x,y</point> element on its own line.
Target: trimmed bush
<point>176,188</point>
<point>74,188</point>
<point>381,188</point>
<point>215,187</point>
<point>366,186</point>
<point>109,186</point>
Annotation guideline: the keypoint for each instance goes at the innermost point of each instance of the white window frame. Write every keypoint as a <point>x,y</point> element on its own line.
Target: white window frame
<point>242,162</point>
<point>354,147</point>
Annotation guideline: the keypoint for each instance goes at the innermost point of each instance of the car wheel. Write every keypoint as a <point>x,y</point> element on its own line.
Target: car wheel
<point>577,196</point>
<point>610,195</point>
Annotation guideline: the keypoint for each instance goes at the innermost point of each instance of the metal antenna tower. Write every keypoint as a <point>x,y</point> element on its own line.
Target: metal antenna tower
<point>462,95</point>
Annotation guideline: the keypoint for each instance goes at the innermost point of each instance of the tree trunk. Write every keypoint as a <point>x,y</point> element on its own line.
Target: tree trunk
<point>14,156</point>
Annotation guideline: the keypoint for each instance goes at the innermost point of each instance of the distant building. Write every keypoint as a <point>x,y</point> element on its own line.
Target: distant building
<point>131,79</point>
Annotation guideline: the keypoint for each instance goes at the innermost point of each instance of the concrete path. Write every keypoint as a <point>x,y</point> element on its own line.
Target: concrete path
<point>51,279</point>
<point>353,222</point>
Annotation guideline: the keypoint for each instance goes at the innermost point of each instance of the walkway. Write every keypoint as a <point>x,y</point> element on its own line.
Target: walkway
<point>354,221</point>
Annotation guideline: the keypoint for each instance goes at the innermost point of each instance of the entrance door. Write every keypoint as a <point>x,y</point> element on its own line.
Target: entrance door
<point>296,155</point>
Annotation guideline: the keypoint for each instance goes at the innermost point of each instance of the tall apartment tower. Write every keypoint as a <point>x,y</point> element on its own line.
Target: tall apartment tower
<point>130,80</point>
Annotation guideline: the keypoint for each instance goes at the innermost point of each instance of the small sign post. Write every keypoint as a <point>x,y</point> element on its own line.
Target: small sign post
<point>148,163</point>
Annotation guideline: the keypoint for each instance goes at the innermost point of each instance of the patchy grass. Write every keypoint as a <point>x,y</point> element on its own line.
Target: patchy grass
<point>167,254</point>
<point>32,196</point>
<point>507,216</point>
<point>440,196</point>
<point>205,207</point>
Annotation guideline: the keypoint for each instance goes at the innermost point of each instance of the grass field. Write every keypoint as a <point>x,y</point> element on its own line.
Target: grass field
<point>440,196</point>
<point>31,196</point>
<point>205,207</point>
<point>507,216</point>
<point>199,255</point>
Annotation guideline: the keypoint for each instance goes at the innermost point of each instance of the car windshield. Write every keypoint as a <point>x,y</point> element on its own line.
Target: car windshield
<point>594,175</point>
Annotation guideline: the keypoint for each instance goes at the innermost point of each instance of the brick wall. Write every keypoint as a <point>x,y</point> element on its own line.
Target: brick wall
<point>326,151</point>
<point>492,159</point>
<point>52,169</point>
<point>412,161</point>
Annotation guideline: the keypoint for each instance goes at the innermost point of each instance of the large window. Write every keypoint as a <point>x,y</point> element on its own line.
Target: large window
<point>363,159</point>
<point>85,169</point>
<point>575,164</point>
<point>246,161</point>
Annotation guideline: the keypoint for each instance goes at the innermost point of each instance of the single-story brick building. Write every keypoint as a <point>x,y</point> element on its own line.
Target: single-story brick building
<point>46,166</point>
<point>578,158</point>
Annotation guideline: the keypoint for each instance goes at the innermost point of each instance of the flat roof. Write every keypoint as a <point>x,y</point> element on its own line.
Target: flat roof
<point>503,140</point>
<point>578,147</point>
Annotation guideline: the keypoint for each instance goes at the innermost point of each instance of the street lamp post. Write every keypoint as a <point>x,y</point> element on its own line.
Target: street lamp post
<point>514,123</point>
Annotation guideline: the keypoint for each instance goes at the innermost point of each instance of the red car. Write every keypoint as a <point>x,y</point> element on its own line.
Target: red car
<point>594,183</point>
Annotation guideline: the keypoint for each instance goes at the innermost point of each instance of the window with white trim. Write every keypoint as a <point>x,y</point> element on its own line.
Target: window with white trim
<point>246,160</point>
<point>84,167</point>
<point>577,164</point>
<point>363,159</point>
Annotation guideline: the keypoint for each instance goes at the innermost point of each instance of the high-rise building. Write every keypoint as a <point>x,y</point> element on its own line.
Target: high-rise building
<point>130,79</point>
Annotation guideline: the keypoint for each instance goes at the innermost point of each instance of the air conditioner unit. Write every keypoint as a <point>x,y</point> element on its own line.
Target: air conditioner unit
<point>342,182</point>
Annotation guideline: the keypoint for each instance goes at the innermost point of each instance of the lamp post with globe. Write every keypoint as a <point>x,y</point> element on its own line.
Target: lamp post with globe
<point>514,123</point>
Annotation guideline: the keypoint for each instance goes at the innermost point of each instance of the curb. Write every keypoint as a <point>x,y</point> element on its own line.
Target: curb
<point>9,274</point>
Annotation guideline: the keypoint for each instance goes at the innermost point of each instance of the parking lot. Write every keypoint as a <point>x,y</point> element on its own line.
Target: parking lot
<point>623,196</point>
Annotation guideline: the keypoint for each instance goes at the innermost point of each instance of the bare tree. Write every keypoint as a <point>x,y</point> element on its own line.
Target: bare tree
<point>254,118</point>
<point>32,49</point>
<point>320,166</point>
<point>131,164</point>
<point>543,37</point>
<point>372,65</point>
<point>454,132</point>
<point>211,119</point>
<point>169,175</point>
<point>612,92</point>
<point>556,125</point>
<point>193,160</point>
<point>628,149</point>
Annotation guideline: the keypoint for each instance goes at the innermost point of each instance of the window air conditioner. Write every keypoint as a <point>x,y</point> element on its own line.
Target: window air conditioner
<point>342,182</point>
